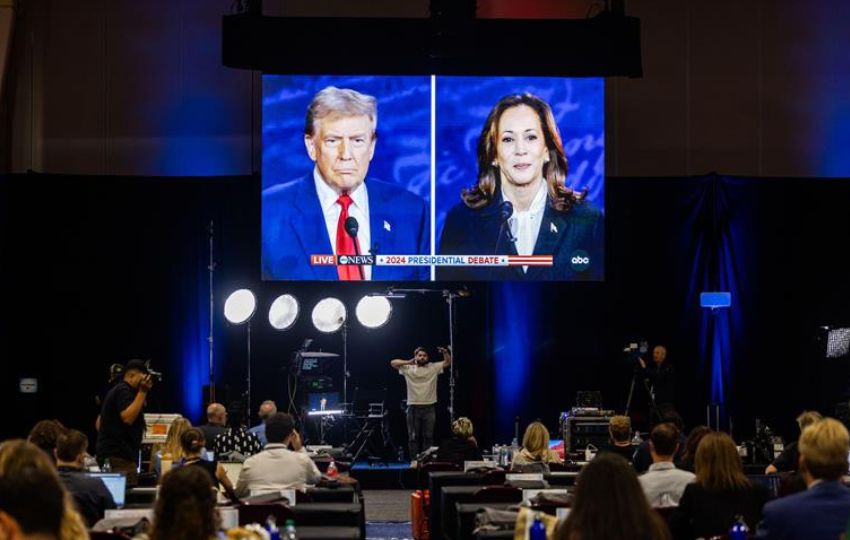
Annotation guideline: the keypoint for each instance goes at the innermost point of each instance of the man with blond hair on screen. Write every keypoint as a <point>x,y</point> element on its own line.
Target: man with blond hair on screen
<point>337,209</point>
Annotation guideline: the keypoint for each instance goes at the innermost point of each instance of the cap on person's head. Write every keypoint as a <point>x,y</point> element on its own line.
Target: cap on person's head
<point>278,427</point>
<point>137,365</point>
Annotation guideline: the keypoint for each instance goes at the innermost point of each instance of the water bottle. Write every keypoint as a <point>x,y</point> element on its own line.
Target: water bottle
<point>271,526</point>
<point>739,529</point>
<point>289,531</point>
<point>332,471</point>
<point>107,465</point>
<point>537,531</point>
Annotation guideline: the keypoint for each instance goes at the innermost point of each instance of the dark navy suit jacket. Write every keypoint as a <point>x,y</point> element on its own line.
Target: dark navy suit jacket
<point>479,232</point>
<point>819,513</point>
<point>294,228</point>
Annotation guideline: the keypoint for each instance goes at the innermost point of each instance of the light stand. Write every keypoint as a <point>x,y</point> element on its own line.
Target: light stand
<point>345,362</point>
<point>450,297</point>
<point>211,270</point>
<point>248,391</point>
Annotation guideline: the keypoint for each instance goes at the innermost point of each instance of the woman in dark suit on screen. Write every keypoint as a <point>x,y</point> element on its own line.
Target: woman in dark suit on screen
<point>520,205</point>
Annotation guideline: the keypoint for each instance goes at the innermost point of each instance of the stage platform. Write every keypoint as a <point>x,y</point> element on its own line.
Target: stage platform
<point>384,475</point>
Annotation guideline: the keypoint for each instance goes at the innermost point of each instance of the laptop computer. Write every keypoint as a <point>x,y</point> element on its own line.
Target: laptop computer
<point>116,483</point>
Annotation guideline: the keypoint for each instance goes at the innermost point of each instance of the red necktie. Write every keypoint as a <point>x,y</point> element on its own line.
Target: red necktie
<point>345,244</point>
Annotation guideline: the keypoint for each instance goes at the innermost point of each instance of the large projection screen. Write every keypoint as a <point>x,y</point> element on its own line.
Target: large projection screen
<point>422,178</point>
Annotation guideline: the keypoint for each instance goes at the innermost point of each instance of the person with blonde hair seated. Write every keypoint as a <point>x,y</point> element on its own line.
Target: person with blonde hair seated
<point>172,448</point>
<point>461,446</point>
<point>535,448</point>
<point>620,437</point>
<point>721,492</point>
<point>822,511</point>
<point>790,456</point>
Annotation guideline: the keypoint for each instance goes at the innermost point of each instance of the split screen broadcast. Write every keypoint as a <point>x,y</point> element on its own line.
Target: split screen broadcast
<point>422,178</point>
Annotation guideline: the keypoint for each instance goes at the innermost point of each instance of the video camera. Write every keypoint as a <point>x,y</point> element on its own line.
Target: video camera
<point>155,375</point>
<point>634,349</point>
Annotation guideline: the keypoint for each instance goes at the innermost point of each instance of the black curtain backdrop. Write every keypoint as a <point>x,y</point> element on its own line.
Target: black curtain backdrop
<point>97,270</point>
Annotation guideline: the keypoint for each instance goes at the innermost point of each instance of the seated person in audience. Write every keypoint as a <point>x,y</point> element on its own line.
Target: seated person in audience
<point>216,423</point>
<point>686,461</point>
<point>643,459</point>
<point>185,508</point>
<point>620,434</point>
<point>721,492</point>
<point>822,511</point>
<point>33,502</point>
<point>790,456</point>
<point>236,440</point>
<point>267,408</point>
<point>44,435</point>
<point>462,446</point>
<point>663,483</point>
<point>193,444</point>
<point>535,450</point>
<point>90,494</point>
<point>609,505</point>
<point>172,448</point>
<point>277,467</point>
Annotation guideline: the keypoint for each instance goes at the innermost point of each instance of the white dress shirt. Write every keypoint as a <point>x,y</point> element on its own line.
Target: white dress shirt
<point>359,210</point>
<point>664,484</point>
<point>276,468</point>
<point>525,225</point>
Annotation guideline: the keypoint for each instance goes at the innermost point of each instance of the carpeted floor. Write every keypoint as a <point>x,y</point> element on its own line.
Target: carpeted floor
<point>388,514</point>
<point>388,531</point>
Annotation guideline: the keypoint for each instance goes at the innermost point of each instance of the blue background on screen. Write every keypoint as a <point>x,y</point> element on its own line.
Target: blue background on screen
<point>463,104</point>
<point>403,151</point>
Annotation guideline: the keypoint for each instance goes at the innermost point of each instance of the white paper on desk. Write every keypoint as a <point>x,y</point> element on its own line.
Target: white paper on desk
<point>134,513</point>
<point>528,494</point>
<point>524,477</point>
<point>467,465</point>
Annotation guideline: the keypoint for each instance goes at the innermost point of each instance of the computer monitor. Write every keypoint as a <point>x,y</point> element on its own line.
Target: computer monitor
<point>314,400</point>
<point>116,483</point>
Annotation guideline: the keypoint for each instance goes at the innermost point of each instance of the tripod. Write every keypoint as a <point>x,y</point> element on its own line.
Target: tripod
<point>366,437</point>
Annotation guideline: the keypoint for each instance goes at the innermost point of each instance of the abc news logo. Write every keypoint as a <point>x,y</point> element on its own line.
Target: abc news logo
<point>355,260</point>
<point>342,260</point>
<point>580,260</point>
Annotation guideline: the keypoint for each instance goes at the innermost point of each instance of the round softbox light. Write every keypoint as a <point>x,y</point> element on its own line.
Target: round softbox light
<point>329,315</point>
<point>283,312</point>
<point>373,311</point>
<point>239,306</point>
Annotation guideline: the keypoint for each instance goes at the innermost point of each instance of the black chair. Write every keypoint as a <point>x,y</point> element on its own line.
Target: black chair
<point>497,494</point>
<point>425,469</point>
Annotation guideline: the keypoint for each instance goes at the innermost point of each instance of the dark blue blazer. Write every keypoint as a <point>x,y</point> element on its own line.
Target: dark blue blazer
<point>819,513</point>
<point>293,228</point>
<point>479,231</point>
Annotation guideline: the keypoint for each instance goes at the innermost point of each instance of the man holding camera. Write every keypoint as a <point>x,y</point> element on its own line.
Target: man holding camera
<point>122,423</point>
<point>421,378</point>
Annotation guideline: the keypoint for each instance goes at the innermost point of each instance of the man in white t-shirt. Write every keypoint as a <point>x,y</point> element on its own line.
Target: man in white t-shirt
<point>421,377</point>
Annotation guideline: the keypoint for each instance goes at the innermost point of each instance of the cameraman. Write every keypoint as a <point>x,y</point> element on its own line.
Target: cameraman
<point>122,424</point>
